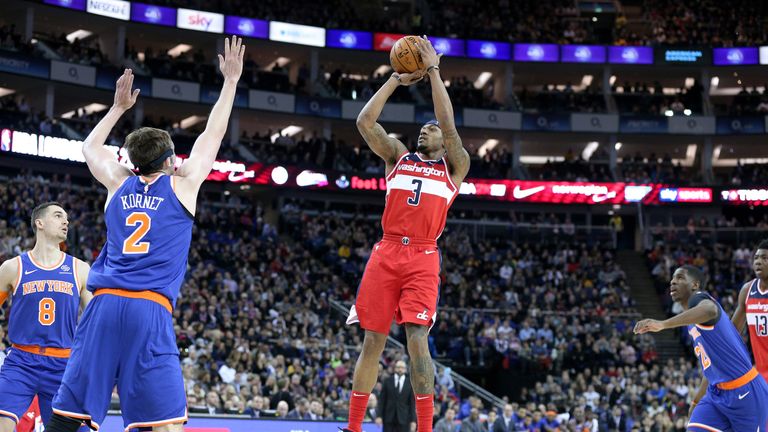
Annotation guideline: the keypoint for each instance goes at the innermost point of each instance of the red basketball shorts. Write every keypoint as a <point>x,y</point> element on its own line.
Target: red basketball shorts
<point>401,282</point>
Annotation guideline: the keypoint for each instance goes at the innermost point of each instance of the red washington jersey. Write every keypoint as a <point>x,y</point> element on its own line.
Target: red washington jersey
<point>757,322</point>
<point>419,194</point>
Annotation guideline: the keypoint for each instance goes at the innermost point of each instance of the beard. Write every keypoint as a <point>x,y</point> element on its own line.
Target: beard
<point>422,148</point>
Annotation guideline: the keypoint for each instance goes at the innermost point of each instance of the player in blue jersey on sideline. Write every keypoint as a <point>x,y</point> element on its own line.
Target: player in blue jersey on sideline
<point>126,336</point>
<point>47,288</point>
<point>737,396</point>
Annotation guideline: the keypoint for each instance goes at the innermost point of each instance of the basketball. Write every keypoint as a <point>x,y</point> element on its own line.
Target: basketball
<point>404,56</point>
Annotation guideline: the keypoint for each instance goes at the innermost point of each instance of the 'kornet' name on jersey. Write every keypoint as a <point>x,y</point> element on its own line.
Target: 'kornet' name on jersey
<point>48,285</point>
<point>426,170</point>
<point>141,201</point>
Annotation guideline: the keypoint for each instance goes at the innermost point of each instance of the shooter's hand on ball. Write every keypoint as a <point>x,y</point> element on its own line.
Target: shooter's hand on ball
<point>429,56</point>
<point>407,79</point>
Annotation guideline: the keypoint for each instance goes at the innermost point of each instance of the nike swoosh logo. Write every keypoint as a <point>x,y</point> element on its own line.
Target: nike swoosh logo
<point>236,177</point>
<point>429,252</point>
<point>743,396</point>
<point>518,193</point>
<point>26,272</point>
<point>422,398</point>
<point>357,394</point>
<point>753,293</point>
<point>601,198</point>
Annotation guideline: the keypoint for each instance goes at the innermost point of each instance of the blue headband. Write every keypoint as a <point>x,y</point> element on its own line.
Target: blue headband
<point>432,122</point>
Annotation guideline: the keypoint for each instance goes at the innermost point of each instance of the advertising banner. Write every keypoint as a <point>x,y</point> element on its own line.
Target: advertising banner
<point>594,122</point>
<point>295,33</point>
<point>582,54</point>
<point>200,20</point>
<point>547,122</point>
<point>73,73</point>
<point>692,125</point>
<point>176,90</point>
<point>254,28</point>
<point>349,39</point>
<point>151,14</point>
<point>630,55</point>
<point>489,50</point>
<point>24,65</point>
<point>492,119</point>
<point>118,9</point>
<point>536,53</point>
<point>271,101</point>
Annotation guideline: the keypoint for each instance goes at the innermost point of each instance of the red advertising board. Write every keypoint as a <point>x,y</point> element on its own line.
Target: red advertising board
<point>385,41</point>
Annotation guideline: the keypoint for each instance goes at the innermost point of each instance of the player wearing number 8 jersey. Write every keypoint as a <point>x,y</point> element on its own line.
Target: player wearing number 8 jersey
<point>402,277</point>
<point>736,395</point>
<point>46,288</point>
<point>126,336</point>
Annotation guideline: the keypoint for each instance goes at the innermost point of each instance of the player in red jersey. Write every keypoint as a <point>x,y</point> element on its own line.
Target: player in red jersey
<point>401,279</point>
<point>752,310</point>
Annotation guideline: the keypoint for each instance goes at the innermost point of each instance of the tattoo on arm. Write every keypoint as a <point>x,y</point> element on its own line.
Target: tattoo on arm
<point>457,155</point>
<point>383,145</point>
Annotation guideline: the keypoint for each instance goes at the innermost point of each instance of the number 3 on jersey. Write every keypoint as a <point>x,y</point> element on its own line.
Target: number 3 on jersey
<point>414,200</point>
<point>133,244</point>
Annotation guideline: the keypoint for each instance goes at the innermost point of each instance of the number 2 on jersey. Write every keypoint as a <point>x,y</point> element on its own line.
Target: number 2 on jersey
<point>702,355</point>
<point>133,244</point>
<point>414,200</point>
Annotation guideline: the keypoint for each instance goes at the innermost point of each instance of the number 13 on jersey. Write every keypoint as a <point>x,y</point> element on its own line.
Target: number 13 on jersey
<point>133,244</point>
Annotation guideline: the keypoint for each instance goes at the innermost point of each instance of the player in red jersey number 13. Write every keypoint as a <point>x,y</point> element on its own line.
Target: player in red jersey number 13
<point>402,277</point>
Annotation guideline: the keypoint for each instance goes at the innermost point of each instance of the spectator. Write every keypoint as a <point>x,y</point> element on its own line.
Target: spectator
<point>396,406</point>
<point>282,409</point>
<point>505,423</point>
<point>302,410</point>
<point>446,424</point>
<point>472,423</point>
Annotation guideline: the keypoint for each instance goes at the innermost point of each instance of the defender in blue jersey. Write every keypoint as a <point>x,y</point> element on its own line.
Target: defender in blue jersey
<point>47,289</point>
<point>737,396</point>
<point>126,336</point>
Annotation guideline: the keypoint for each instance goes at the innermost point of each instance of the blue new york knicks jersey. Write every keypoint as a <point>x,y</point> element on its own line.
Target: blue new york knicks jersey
<point>45,303</point>
<point>148,238</point>
<point>719,347</point>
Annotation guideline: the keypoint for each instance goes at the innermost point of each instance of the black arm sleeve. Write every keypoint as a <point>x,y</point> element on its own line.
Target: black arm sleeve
<point>699,297</point>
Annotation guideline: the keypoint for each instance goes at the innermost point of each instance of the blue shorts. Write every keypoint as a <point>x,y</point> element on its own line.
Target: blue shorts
<point>131,343</point>
<point>25,375</point>
<point>739,410</point>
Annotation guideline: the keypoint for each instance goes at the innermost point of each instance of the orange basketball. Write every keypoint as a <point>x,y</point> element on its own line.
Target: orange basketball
<point>404,56</point>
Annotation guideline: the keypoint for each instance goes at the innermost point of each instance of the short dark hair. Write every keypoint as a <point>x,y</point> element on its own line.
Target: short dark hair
<point>762,245</point>
<point>695,273</point>
<point>145,145</point>
<point>39,211</point>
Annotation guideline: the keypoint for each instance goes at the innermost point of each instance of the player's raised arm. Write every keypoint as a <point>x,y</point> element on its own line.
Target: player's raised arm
<point>383,145</point>
<point>9,277</point>
<point>458,158</point>
<point>101,162</point>
<point>198,166</point>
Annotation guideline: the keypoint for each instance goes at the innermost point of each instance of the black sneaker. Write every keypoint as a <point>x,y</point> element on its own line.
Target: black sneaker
<point>345,430</point>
